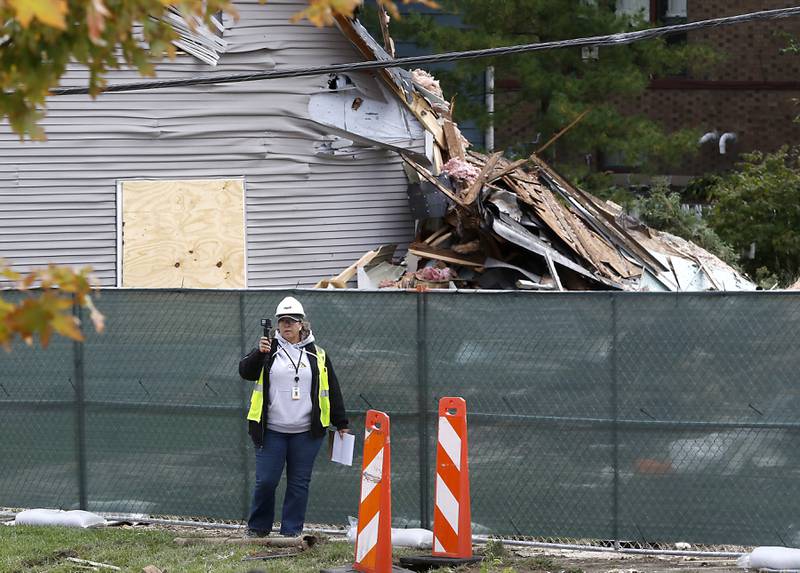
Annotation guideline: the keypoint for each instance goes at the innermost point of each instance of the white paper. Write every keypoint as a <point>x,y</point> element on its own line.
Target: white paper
<point>343,445</point>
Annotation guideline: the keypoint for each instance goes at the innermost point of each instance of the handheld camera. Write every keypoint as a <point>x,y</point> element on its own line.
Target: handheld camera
<point>267,324</point>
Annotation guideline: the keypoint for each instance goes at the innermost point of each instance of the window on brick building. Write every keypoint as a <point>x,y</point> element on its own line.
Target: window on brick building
<point>659,13</point>
<point>656,11</point>
<point>675,9</point>
<point>634,8</point>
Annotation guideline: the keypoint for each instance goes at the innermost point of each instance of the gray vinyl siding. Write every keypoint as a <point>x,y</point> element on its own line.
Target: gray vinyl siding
<point>308,216</point>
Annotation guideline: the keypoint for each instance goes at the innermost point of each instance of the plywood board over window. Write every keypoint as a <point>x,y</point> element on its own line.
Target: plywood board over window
<point>182,233</point>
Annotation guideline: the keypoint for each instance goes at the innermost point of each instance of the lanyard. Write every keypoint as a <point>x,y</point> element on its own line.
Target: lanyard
<point>295,366</point>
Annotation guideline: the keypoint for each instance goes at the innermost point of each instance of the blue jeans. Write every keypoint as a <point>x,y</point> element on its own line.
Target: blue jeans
<point>297,452</point>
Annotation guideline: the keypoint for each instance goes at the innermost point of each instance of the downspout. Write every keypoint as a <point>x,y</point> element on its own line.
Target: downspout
<point>489,135</point>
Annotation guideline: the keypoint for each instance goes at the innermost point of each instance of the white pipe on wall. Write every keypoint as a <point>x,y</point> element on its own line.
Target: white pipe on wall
<point>724,139</point>
<point>710,136</point>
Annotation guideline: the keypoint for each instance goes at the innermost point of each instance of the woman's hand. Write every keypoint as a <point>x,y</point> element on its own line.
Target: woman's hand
<point>264,344</point>
<point>343,431</point>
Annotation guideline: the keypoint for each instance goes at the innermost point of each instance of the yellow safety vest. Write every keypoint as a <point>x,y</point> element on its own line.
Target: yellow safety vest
<point>257,398</point>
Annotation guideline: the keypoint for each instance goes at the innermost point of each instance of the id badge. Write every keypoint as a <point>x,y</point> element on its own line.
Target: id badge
<point>295,392</point>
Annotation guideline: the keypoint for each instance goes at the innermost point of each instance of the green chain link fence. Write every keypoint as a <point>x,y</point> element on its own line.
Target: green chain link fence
<point>617,416</point>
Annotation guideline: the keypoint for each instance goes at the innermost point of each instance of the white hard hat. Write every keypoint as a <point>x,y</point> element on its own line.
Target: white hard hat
<point>289,305</point>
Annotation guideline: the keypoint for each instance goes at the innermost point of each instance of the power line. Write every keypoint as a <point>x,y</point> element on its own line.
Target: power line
<point>599,41</point>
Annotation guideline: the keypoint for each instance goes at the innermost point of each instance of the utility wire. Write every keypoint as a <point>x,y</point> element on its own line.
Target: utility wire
<point>608,40</point>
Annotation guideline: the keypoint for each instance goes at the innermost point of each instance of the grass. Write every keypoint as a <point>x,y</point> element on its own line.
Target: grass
<point>47,549</point>
<point>40,549</point>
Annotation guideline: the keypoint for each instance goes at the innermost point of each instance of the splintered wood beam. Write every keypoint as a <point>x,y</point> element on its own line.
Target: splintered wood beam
<point>510,168</point>
<point>435,235</point>
<point>553,271</point>
<point>555,138</point>
<point>350,271</point>
<point>388,43</point>
<point>439,240</point>
<point>477,185</point>
<point>340,280</point>
<point>451,136</point>
<point>427,252</point>
<point>606,227</point>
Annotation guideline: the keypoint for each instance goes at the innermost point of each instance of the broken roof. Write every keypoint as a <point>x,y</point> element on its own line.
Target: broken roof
<point>519,224</point>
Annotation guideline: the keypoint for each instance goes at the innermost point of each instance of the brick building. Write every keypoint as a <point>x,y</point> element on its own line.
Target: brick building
<point>750,93</point>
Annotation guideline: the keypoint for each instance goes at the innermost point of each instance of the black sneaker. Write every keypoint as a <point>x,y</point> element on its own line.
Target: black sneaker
<point>256,533</point>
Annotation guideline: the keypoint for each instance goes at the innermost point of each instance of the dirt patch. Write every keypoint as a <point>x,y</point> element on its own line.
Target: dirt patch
<point>536,560</point>
<point>44,560</point>
<point>183,530</point>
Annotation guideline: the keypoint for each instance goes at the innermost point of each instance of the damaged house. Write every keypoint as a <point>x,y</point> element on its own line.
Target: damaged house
<point>252,184</point>
<point>285,182</point>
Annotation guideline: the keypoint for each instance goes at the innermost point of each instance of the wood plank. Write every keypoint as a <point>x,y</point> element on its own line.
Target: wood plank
<point>428,252</point>
<point>436,234</point>
<point>608,225</point>
<point>565,230</point>
<point>388,43</point>
<point>442,239</point>
<point>510,168</point>
<point>453,139</point>
<point>593,247</point>
<point>438,160</point>
<point>383,253</point>
<point>522,191</point>
<point>183,233</point>
<point>350,271</point>
<point>477,185</point>
<point>425,114</point>
<point>553,270</point>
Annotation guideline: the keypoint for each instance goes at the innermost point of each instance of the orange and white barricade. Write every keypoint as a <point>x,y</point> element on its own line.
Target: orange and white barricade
<point>374,533</point>
<point>374,536</point>
<point>452,528</point>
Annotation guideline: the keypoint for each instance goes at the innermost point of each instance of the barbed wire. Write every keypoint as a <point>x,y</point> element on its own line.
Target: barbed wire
<point>593,41</point>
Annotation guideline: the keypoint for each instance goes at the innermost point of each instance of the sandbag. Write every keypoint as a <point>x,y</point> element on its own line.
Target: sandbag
<point>771,558</point>
<point>417,538</point>
<point>57,517</point>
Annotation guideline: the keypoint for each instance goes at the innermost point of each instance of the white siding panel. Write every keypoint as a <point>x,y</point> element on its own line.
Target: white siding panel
<point>308,215</point>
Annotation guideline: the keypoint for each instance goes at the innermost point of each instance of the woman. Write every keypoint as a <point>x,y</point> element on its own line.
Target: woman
<point>302,399</point>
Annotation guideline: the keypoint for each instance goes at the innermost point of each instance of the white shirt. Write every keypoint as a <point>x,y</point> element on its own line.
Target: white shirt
<point>285,414</point>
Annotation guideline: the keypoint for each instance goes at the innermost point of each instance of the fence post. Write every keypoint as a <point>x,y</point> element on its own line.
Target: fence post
<point>244,439</point>
<point>422,378</point>
<point>80,412</point>
<point>615,418</point>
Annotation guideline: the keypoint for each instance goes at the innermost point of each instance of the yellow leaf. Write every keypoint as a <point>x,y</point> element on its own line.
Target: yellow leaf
<point>10,275</point>
<point>66,325</point>
<point>322,12</point>
<point>49,12</point>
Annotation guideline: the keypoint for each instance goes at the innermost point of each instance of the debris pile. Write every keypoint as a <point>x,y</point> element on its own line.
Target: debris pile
<point>519,225</point>
<point>488,222</point>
